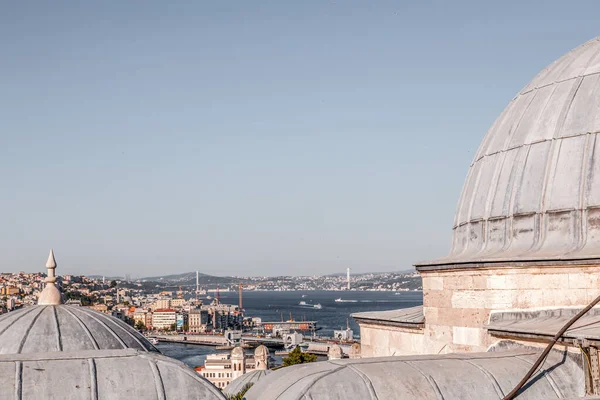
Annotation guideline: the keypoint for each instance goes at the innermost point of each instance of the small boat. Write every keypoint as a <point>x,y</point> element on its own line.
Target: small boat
<point>338,300</point>
<point>318,306</point>
<point>302,303</point>
<point>303,296</point>
<point>153,340</point>
<point>208,297</point>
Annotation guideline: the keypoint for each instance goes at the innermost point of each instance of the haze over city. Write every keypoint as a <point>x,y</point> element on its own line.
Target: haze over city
<point>253,138</point>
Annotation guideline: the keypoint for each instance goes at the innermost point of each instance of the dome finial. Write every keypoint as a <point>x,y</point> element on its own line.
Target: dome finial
<point>51,263</point>
<point>50,295</point>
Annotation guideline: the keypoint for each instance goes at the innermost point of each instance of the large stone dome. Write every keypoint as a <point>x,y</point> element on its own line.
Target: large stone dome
<point>53,351</point>
<point>66,328</point>
<point>532,192</point>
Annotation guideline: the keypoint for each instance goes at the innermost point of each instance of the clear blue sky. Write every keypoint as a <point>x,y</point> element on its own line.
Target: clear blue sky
<point>253,137</point>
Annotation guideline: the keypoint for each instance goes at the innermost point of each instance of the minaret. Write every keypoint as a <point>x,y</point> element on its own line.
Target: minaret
<point>197,281</point>
<point>50,296</point>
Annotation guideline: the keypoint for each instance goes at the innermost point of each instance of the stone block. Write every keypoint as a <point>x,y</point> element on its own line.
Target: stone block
<point>469,299</point>
<point>579,280</point>
<point>474,317</point>
<point>528,298</point>
<point>480,282</point>
<point>431,314</point>
<point>592,294</point>
<point>467,336</point>
<point>437,298</point>
<point>548,281</point>
<point>571,297</point>
<point>458,282</point>
<point>448,316</point>
<point>439,333</point>
<point>500,299</point>
<point>496,282</point>
<point>433,283</point>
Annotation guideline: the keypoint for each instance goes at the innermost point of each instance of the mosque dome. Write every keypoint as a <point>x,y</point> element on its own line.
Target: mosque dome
<point>237,352</point>
<point>249,378</point>
<point>452,376</point>
<point>101,374</point>
<point>51,328</point>
<point>58,351</point>
<point>261,351</point>
<point>335,352</point>
<point>532,192</point>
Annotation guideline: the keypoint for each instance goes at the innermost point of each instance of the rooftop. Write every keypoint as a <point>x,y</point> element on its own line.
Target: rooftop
<point>543,324</point>
<point>406,317</point>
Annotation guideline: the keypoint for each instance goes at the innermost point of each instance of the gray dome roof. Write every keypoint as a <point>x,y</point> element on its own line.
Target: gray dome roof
<point>452,376</point>
<point>238,384</point>
<point>237,352</point>
<point>65,328</point>
<point>101,374</point>
<point>533,189</point>
<point>261,351</point>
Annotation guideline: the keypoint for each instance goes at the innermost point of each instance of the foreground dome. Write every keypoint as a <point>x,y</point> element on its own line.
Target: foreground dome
<point>533,189</point>
<point>101,374</point>
<point>248,379</point>
<point>55,351</point>
<point>66,328</point>
<point>453,376</point>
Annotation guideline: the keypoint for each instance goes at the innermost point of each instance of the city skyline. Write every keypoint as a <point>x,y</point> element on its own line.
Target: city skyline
<point>254,139</point>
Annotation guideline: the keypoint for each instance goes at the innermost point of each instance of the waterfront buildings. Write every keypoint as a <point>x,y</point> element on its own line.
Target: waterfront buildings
<point>164,318</point>
<point>198,320</point>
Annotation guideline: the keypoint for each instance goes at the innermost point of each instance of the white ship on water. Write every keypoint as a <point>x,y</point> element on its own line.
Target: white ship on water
<point>339,300</point>
<point>318,306</point>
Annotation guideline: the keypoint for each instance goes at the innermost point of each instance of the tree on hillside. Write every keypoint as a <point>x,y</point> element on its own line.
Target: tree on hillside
<point>113,283</point>
<point>296,356</point>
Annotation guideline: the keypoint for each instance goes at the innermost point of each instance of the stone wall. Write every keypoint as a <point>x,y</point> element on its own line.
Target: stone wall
<point>457,303</point>
<point>380,341</point>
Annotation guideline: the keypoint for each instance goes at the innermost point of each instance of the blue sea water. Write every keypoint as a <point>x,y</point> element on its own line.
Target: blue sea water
<point>272,306</point>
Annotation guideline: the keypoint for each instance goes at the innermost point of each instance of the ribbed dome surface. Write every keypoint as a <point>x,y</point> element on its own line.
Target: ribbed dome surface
<point>533,189</point>
<point>40,329</point>
<point>101,374</point>
<point>465,376</point>
<point>249,378</point>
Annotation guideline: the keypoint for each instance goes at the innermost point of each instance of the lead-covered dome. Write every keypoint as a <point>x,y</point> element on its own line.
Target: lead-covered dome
<point>66,328</point>
<point>57,351</point>
<point>533,189</point>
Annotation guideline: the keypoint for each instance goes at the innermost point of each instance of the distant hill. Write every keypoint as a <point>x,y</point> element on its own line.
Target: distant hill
<point>189,279</point>
<point>404,272</point>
